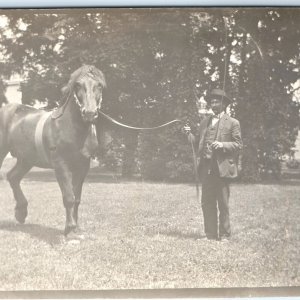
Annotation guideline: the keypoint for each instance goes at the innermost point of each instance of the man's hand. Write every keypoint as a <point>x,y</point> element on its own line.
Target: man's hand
<point>186,129</point>
<point>217,145</point>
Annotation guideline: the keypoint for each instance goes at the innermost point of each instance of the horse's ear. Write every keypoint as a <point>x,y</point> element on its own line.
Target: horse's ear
<point>69,86</point>
<point>101,77</point>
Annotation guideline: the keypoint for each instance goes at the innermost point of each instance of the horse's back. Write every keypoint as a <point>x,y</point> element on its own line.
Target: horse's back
<point>12,110</point>
<point>6,114</point>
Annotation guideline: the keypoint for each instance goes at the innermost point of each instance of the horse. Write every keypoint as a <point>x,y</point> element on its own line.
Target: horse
<point>64,140</point>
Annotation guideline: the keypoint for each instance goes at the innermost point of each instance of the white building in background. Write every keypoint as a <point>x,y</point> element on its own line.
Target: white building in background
<point>13,89</point>
<point>297,147</point>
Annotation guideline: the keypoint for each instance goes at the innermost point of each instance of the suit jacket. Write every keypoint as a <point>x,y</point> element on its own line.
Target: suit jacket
<point>229,133</point>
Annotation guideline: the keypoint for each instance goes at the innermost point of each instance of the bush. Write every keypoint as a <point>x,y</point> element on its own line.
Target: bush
<point>154,169</point>
<point>179,171</point>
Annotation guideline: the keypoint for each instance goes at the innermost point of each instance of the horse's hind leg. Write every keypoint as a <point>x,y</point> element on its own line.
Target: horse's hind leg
<point>14,177</point>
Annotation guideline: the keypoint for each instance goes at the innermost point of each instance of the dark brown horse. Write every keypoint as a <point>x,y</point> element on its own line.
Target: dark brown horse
<point>64,140</point>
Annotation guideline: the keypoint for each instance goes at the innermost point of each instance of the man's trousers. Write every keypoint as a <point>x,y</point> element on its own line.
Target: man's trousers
<point>215,201</point>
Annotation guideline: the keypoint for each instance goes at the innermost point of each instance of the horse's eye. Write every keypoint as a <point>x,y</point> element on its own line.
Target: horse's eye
<point>98,86</point>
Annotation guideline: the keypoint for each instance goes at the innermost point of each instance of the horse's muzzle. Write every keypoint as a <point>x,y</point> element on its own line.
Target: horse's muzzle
<point>89,116</point>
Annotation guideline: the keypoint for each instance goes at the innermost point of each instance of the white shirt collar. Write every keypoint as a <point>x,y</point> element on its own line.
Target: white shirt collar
<point>220,115</point>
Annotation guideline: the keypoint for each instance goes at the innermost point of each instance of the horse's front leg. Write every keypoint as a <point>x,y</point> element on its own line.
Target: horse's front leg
<point>79,175</point>
<point>14,177</point>
<point>64,178</point>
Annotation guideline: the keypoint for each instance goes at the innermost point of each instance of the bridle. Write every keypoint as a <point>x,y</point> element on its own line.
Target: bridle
<point>82,108</point>
<point>78,103</point>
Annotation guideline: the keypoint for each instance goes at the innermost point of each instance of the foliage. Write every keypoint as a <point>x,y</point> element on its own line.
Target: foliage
<point>269,116</point>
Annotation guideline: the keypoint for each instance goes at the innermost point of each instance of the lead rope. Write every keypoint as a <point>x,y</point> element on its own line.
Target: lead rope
<point>136,128</point>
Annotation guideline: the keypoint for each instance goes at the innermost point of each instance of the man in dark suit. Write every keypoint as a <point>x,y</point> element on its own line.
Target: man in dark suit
<point>218,150</point>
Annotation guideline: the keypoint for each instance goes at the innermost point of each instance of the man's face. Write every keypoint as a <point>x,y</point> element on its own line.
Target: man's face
<point>216,105</point>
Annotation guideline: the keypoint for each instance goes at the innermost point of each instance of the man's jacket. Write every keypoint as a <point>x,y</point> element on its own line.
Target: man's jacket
<point>229,133</point>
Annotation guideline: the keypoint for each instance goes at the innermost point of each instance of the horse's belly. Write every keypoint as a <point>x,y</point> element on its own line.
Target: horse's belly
<point>29,155</point>
<point>22,140</point>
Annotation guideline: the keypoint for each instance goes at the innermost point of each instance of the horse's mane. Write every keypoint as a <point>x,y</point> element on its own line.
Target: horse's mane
<point>83,71</point>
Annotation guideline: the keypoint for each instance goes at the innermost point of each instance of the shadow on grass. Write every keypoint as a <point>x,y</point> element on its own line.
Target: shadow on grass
<point>183,235</point>
<point>48,176</point>
<point>46,234</point>
<point>94,177</point>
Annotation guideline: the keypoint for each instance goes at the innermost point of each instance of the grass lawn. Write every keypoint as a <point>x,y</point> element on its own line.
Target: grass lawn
<point>145,235</point>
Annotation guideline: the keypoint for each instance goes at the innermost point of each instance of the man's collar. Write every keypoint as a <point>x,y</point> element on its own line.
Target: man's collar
<point>219,116</point>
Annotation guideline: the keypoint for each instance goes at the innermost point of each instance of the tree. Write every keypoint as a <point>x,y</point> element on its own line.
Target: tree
<point>155,62</point>
<point>269,116</point>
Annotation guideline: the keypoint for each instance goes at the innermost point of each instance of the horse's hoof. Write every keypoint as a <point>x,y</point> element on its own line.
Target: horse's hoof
<point>20,215</point>
<point>72,230</point>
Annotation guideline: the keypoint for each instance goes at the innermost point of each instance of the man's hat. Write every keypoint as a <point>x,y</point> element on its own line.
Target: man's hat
<point>218,93</point>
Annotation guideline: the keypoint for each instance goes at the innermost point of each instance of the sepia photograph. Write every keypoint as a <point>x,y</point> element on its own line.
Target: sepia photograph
<point>149,149</point>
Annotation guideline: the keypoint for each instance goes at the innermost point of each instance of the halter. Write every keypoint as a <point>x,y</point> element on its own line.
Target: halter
<point>82,109</point>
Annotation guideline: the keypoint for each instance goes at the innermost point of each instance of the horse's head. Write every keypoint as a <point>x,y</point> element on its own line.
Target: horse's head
<point>87,84</point>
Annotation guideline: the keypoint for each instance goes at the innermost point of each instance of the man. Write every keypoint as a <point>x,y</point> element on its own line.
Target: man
<point>218,151</point>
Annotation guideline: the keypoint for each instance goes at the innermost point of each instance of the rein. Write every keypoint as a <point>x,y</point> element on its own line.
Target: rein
<point>136,128</point>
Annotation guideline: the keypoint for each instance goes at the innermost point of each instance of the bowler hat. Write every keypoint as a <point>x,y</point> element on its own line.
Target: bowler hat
<point>218,93</point>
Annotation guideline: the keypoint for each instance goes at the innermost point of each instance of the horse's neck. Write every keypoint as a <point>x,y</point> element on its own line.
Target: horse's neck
<point>83,134</point>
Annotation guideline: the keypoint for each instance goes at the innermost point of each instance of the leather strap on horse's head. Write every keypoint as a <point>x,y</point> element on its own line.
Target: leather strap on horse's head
<point>80,73</point>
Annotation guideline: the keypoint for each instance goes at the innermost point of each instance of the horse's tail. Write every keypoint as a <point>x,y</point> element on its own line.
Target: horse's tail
<point>6,114</point>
